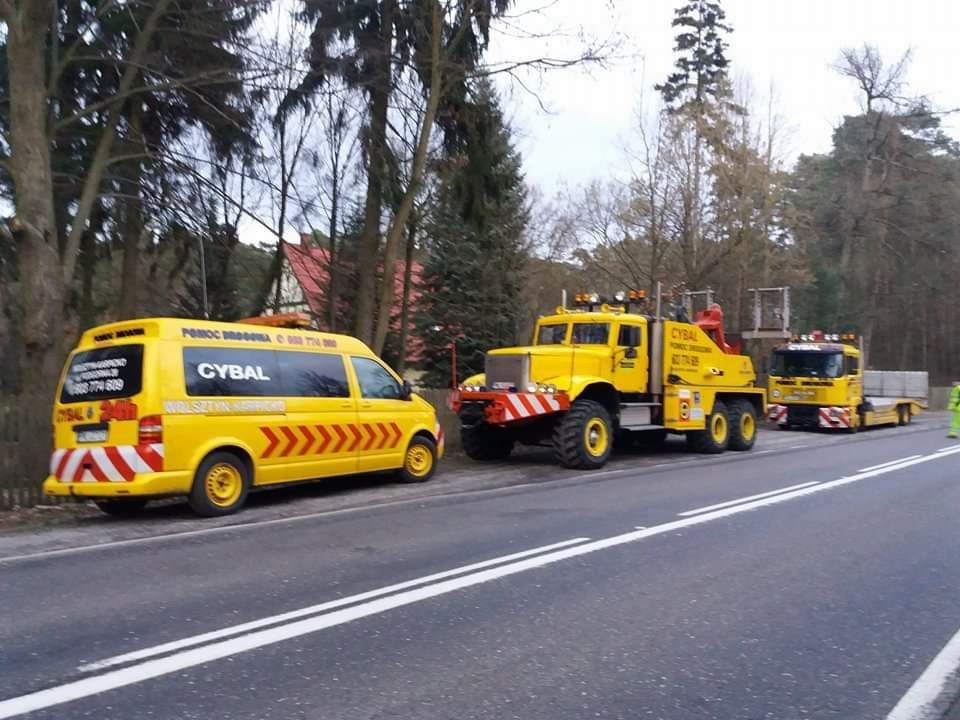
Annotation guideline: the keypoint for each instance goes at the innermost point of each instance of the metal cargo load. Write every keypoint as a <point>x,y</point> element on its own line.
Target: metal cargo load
<point>914,385</point>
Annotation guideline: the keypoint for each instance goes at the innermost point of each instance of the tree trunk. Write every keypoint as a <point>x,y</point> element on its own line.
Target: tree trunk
<point>127,306</point>
<point>333,269</point>
<point>369,245</point>
<point>416,176</point>
<point>42,285</point>
<point>405,302</point>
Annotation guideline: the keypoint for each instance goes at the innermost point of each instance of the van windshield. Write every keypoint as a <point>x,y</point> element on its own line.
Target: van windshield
<point>103,374</point>
<point>807,364</point>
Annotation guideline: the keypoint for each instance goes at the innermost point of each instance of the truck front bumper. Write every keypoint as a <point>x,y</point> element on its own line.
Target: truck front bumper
<point>501,407</point>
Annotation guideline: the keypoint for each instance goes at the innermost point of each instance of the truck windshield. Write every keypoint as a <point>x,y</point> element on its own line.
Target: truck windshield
<point>807,364</point>
<point>590,333</point>
<point>552,334</point>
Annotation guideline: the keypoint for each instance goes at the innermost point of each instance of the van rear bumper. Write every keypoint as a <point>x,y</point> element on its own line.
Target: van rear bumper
<point>143,485</point>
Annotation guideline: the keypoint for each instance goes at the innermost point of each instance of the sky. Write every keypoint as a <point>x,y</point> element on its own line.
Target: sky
<point>788,46</point>
<point>572,125</point>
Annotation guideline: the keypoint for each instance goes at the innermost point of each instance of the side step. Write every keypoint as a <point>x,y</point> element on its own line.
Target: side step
<point>637,415</point>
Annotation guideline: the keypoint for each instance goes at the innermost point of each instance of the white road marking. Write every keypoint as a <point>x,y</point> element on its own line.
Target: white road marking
<point>179,661</point>
<point>948,448</point>
<point>929,695</point>
<point>314,609</point>
<point>748,498</point>
<point>891,462</point>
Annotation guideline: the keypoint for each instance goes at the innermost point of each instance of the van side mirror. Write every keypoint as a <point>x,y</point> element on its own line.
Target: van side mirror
<point>630,353</point>
<point>406,390</point>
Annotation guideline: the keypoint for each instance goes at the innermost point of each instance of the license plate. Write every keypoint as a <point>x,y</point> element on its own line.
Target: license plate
<point>91,436</point>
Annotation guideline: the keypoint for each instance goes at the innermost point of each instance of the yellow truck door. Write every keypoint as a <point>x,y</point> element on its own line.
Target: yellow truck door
<point>630,358</point>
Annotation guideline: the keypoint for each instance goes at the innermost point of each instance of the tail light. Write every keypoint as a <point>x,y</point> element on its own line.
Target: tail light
<point>151,430</point>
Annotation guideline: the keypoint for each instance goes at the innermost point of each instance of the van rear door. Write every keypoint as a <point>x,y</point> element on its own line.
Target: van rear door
<point>97,416</point>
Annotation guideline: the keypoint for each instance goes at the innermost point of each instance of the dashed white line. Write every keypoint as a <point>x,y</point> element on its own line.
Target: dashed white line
<point>890,462</point>
<point>932,692</point>
<point>122,677</point>
<point>748,498</point>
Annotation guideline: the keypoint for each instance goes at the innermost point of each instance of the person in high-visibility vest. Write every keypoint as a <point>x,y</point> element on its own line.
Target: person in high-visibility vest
<point>954,407</point>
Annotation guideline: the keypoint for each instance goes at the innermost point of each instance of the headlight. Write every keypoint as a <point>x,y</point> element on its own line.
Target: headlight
<point>775,393</point>
<point>532,387</point>
<point>594,298</point>
<point>619,296</point>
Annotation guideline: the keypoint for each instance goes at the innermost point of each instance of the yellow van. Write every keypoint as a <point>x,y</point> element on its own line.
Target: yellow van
<point>159,407</point>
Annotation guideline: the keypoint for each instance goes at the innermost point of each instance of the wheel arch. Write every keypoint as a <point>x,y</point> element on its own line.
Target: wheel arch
<point>602,392</point>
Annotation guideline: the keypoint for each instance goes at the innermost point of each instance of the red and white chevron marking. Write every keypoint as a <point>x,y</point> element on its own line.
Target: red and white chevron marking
<point>777,414</point>
<point>119,463</point>
<point>834,417</point>
<point>517,406</point>
<point>305,440</point>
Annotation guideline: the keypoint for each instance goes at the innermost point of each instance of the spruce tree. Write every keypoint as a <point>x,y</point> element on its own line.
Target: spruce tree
<point>474,271</point>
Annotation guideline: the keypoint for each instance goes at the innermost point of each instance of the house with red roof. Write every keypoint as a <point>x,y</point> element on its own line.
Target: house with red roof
<point>305,287</point>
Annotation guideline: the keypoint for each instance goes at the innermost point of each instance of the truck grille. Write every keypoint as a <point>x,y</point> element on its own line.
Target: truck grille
<point>507,371</point>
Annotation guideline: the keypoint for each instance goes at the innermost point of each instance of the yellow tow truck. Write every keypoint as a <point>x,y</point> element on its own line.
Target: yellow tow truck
<point>818,381</point>
<point>602,370</point>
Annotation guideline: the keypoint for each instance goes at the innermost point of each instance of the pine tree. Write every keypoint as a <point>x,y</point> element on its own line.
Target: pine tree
<point>701,60</point>
<point>474,272</point>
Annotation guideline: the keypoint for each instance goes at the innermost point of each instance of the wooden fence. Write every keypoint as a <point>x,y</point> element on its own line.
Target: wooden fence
<point>25,441</point>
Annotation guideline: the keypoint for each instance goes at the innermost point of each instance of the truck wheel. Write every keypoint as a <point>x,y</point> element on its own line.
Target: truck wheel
<point>220,485</point>
<point>121,508</point>
<point>903,415</point>
<point>583,438</point>
<point>485,442</point>
<point>716,436</point>
<point>419,462</point>
<point>743,425</point>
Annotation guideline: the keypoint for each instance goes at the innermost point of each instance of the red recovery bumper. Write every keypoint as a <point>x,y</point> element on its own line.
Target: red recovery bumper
<point>502,407</point>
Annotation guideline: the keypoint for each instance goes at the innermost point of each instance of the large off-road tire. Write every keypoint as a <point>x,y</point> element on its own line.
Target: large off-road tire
<point>715,438</point>
<point>743,425</point>
<point>220,485</point>
<point>583,438</point>
<point>485,442</point>
<point>419,462</point>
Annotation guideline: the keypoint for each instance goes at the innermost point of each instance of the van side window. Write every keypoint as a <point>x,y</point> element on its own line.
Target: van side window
<point>231,372</point>
<point>853,365</point>
<point>375,382</point>
<point>312,375</point>
<point>241,372</point>
<point>629,336</point>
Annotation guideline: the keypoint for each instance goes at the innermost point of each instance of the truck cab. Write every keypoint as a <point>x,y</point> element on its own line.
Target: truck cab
<point>816,383</point>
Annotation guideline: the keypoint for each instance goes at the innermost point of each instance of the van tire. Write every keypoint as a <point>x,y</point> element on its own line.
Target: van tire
<point>121,508</point>
<point>743,425</point>
<point>570,437</point>
<point>419,460</point>
<point>220,485</point>
<point>705,441</point>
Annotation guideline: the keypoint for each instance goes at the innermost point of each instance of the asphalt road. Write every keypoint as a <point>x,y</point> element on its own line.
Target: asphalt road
<point>690,587</point>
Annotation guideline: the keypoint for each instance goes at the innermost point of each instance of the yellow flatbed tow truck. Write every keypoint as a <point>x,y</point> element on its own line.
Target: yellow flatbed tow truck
<point>817,381</point>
